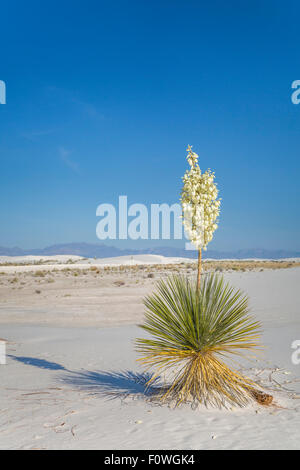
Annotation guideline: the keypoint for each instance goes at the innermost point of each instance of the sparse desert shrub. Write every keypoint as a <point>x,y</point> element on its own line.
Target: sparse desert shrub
<point>119,283</point>
<point>95,269</point>
<point>39,274</point>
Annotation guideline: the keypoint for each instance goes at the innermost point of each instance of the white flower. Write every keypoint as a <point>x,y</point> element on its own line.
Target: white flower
<point>199,202</point>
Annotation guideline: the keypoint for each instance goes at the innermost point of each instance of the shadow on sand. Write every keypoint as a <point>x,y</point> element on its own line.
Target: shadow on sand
<point>40,363</point>
<point>113,384</point>
<point>108,384</point>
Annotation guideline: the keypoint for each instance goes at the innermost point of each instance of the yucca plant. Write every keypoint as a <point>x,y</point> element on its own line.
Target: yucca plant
<point>194,324</point>
<point>191,332</point>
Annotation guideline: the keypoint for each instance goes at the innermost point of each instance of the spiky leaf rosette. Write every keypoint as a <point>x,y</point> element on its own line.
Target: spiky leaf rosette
<point>191,332</point>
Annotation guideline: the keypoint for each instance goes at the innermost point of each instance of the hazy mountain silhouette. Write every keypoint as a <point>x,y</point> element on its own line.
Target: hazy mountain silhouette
<point>88,250</point>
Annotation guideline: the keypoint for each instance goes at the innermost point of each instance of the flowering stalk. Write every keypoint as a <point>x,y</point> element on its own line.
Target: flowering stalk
<point>199,268</point>
<point>200,206</point>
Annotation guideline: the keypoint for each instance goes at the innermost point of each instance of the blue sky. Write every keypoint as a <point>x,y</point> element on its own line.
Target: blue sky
<point>104,97</point>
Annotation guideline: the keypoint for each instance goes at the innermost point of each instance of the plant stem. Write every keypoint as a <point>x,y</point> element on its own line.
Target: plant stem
<point>199,268</point>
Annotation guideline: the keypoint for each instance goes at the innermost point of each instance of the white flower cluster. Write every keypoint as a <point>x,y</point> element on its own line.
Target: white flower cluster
<point>199,202</point>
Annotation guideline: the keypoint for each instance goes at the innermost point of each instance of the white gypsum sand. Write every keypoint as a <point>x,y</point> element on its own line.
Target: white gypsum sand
<point>72,381</point>
<point>20,264</point>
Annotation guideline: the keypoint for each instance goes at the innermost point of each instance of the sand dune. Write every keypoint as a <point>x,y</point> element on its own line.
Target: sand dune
<point>72,381</point>
<point>31,259</point>
<point>82,389</point>
<point>17,264</point>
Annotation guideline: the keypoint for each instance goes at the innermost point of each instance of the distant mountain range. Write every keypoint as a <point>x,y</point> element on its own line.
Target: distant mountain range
<point>88,250</point>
